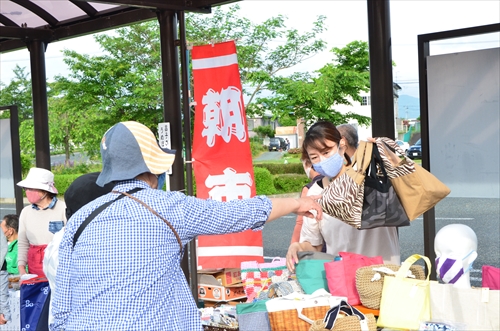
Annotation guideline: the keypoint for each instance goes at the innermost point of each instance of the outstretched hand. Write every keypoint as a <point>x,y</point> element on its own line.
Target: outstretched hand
<point>309,204</point>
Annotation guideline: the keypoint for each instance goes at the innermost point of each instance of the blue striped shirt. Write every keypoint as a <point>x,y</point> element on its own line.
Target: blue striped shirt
<point>124,272</point>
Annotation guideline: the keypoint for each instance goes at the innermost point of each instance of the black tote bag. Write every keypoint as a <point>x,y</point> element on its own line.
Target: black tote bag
<point>381,205</point>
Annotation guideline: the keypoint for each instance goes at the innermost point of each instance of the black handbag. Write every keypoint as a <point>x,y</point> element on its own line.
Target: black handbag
<point>381,205</point>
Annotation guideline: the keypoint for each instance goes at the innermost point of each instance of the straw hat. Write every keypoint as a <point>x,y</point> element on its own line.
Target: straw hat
<point>40,179</point>
<point>129,149</point>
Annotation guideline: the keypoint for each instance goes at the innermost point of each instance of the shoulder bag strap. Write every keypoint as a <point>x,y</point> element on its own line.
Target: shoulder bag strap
<point>97,212</point>
<point>155,213</point>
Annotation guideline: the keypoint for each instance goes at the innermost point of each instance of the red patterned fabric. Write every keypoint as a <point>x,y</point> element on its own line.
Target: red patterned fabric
<point>222,159</point>
<point>256,277</point>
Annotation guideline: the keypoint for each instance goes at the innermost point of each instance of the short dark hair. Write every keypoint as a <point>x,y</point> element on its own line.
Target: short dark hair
<point>12,221</point>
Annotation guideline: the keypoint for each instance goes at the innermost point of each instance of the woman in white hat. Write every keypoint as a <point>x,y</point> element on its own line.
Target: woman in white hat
<point>39,221</point>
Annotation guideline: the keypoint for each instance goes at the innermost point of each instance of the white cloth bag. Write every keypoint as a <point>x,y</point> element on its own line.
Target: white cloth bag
<point>475,308</point>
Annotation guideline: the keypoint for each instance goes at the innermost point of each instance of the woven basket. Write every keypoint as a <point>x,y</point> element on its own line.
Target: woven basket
<point>370,292</point>
<point>346,323</point>
<point>287,320</point>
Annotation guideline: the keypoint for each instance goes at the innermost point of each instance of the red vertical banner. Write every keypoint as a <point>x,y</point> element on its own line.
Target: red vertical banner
<point>221,151</point>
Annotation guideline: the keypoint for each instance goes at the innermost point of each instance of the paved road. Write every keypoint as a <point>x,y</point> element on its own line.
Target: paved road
<point>61,158</point>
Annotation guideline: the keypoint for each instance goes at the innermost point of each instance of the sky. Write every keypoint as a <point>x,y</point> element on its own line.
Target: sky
<point>346,21</point>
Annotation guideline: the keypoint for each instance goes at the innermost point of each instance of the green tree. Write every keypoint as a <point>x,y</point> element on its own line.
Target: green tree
<point>314,96</point>
<point>259,61</point>
<point>264,131</point>
<point>124,84</point>
<point>18,92</point>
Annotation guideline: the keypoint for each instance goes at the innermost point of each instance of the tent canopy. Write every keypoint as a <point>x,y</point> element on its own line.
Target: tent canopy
<point>52,20</point>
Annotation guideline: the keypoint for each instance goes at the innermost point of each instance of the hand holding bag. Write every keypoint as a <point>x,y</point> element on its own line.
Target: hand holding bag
<point>341,275</point>
<point>344,317</point>
<point>310,270</point>
<point>369,284</point>
<point>405,302</point>
<point>417,189</point>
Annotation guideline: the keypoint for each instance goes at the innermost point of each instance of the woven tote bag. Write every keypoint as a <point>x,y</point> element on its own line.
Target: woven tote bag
<point>370,289</point>
<point>298,311</point>
<point>344,317</point>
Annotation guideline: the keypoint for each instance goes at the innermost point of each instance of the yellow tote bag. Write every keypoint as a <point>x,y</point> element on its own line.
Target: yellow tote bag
<point>405,301</point>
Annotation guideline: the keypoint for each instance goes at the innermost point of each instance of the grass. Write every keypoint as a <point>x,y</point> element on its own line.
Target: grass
<point>290,158</point>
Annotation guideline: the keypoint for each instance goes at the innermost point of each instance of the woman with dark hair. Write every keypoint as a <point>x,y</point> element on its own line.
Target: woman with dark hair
<point>39,221</point>
<point>326,149</point>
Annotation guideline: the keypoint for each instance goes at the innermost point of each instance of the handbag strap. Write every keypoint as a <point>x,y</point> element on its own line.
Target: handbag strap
<point>363,156</point>
<point>155,213</point>
<point>377,164</point>
<point>346,308</point>
<point>403,271</point>
<point>97,212</point>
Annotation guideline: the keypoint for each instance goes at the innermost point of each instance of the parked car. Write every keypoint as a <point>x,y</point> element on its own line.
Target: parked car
<point>274,144</point>
<point>403,144</point>
<point>415,151</point>
<point>277,144</point>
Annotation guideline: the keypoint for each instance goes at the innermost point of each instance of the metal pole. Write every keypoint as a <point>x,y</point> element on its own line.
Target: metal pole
<point>40,108</point>
<point>172,102</point>
<point>430,215</point>
<point>193,281</point>
<point>381,86</point>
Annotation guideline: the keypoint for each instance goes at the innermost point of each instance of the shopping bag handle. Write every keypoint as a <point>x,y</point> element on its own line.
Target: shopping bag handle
<point>299,305</point>
<point>333,313</point>
<point>362,159</point>
<point>403,271</point>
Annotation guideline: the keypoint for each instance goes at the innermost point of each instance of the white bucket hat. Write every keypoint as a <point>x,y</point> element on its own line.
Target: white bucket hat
<point>40,179</point>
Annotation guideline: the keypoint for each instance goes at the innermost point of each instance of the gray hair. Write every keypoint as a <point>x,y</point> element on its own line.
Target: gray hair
<point>350,134</point>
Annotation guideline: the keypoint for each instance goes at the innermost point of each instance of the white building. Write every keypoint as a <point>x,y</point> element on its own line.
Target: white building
<point>364,108</point>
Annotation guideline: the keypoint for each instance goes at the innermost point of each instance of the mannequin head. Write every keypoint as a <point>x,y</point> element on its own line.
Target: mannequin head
<point>455,246</point>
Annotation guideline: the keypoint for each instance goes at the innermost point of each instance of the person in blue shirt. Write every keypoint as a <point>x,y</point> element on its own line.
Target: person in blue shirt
<point>123,272</point>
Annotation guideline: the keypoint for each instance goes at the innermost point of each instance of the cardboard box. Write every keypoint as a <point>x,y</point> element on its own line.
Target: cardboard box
<point>229,277</point>
<point>209,289</point>
<point>226,277</point>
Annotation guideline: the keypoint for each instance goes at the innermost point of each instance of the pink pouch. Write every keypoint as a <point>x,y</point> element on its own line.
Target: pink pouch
<point>491,277</point>
<point>341,275</point>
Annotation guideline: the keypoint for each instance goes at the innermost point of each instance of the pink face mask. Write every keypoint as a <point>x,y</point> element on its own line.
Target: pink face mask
<point>33,196</point>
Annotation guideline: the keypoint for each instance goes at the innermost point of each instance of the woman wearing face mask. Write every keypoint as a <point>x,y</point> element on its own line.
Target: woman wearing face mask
<point>39,221</point>
<point>324,146</point>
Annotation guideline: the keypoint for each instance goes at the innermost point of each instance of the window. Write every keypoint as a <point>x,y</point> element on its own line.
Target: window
<point>365,101</point>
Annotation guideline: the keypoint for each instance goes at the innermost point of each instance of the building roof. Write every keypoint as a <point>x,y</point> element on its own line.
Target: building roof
<point>52,20</point>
